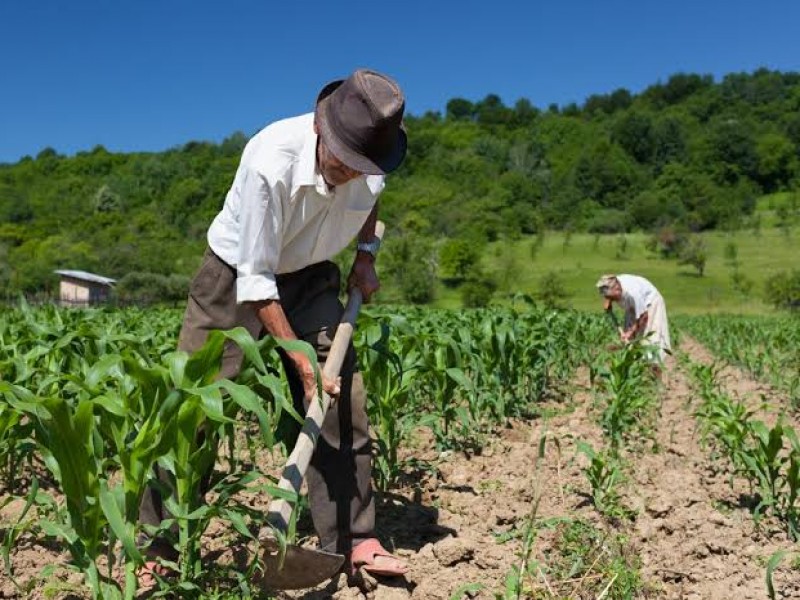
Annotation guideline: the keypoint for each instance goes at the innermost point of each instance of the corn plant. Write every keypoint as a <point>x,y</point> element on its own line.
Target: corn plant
<point>628,392</point>
<point>100,404</point>
<point>441,362</point>
<point>769,458</point>
<point>388,376</point>
<point>775,471</point>
<point>604,474</point>
<point>15,432</point>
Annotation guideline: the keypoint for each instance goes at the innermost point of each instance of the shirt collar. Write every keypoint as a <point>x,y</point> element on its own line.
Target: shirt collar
<point>308,174</point>
<point>306,163</point>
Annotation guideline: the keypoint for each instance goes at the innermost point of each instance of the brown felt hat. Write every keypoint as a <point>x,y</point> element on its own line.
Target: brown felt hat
<point>360,119</point>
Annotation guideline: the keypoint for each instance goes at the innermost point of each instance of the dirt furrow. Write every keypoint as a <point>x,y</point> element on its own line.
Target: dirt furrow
<point>696,533</point>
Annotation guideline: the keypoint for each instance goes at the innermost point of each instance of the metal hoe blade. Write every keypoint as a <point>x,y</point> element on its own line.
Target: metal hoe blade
<point>302,567</point>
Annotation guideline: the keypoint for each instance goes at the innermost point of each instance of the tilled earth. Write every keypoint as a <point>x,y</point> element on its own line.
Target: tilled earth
<point>457,522</point>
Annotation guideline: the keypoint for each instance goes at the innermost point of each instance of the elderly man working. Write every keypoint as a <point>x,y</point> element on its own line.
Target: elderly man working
<point>304,189</point>
<point>644,309</point>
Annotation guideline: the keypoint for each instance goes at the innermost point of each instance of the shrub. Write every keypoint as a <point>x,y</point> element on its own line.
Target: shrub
<point>609,221</point>
<point>477,291</point>
<point>782,290</point>
<point>552,290</point>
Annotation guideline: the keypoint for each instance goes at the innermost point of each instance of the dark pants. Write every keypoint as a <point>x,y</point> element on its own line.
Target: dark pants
<point>338,478</point>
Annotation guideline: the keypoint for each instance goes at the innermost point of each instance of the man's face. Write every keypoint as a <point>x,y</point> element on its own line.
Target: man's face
<point>334,171</point>
<point>614,291</point>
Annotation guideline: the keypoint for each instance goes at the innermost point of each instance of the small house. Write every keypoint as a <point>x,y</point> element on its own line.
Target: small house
<point>79,288</point>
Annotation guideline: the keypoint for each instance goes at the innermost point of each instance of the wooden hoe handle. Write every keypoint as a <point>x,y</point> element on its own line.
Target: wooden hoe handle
<point>294,470</point>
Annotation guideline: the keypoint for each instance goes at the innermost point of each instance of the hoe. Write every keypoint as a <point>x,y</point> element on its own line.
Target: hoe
<point>305,567</point>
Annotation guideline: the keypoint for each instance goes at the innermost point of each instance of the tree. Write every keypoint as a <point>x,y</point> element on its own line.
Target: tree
<point>669,141</point>
<point>678,87</point>
<point>605,174</point>
<point>552,290</point>
<point>734,150</point>
<point>151,288</point>
<point>782,290</point>
<point>635,133</point>
<point>477,290</point>
<point>777,161</point>
<point>668,241</point>
<point>408,260</point>
<point>695,254</point>
<point>492,111</point>
<point>14,205</point>
<point>106,200</point>
<point>457,258</point>
<point>459,109</point>
<point>524,112</point>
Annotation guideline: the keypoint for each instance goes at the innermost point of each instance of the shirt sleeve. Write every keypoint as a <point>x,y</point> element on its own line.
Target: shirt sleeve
<point>639,303</point>
<point>260,239</point>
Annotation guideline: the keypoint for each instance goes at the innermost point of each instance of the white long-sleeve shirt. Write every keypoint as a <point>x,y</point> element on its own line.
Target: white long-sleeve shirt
<point>279,215</point>
<point>637,296</point>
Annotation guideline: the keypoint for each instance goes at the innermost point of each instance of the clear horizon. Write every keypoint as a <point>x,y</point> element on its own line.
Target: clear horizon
<point>151,76</point>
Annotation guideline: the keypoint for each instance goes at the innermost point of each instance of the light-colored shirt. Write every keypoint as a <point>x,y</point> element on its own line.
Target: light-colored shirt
<point>637,295</point>
<point>280,216</point>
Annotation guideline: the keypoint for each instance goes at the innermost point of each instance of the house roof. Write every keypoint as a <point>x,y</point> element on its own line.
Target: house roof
<point>84,276</point>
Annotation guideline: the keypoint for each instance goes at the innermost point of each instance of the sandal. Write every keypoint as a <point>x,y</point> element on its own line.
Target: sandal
<point>371,556</point>
<point>148,575</point>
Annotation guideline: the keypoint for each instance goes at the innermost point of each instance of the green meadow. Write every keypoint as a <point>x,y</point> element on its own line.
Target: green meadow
<point>579,260</point>
<point>771,246</point>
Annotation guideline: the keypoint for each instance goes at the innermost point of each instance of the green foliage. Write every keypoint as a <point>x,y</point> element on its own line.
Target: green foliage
<point>767,457</point>
<point>694,253</point>
<point>104,402</point>
<point>457,259</point>
<point>552,291</point>
<point>627,387</point>
<point>604,474</point>
<point>581,560</point>
<point>770,352</point>
<point>691,153</point>
<point>408,262</point>
<point>144,289</point>
<point>668,242</point>
<point>782,290</point>
<point>477,291</point>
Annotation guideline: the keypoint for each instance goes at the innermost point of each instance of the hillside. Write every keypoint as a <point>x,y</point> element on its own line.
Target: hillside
<point>692,153</point>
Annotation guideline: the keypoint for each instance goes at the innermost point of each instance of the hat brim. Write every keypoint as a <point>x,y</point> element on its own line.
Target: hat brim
<point>354,160</point>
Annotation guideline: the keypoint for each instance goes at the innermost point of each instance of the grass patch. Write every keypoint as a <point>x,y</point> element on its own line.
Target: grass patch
<point>583,561</point>
<point>579,259</point>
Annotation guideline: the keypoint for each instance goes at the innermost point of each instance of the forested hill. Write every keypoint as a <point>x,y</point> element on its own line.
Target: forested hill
<point>693,152</point>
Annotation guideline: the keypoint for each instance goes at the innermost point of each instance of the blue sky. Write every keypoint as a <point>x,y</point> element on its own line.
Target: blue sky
<point>152,74</point>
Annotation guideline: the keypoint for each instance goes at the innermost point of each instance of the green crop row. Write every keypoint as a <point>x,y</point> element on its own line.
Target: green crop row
<point>768,458</point>
<point>766,347</point>
<point>99,398</point>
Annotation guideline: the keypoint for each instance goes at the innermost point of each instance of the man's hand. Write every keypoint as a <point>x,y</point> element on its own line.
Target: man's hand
<point>363,275</point>
<point>306,371</point>
<point>271,314</point>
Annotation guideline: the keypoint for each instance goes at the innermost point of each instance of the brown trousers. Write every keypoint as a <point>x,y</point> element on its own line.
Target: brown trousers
<point>339,476</point>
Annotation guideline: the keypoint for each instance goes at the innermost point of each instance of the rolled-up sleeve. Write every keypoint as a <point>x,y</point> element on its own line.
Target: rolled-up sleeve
<point>261,230</point>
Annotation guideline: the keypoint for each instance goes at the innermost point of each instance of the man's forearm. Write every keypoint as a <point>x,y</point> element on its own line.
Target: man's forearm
<point>367,233</point>
<point>273,317</point>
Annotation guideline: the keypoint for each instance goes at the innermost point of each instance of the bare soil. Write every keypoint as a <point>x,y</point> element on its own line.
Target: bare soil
<point>455,522</point>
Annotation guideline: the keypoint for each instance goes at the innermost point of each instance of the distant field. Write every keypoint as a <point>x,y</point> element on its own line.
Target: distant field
<point>585,257</point>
